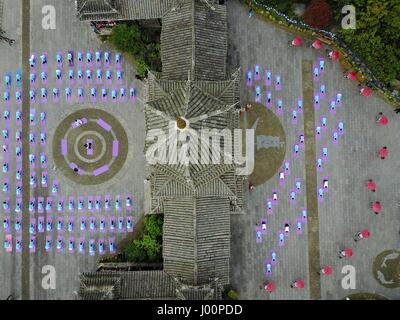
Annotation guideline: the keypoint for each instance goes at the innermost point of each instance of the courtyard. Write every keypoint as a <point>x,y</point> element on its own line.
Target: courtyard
<point>347,162</point>
<point>77,204</point>
<point>316,148</point>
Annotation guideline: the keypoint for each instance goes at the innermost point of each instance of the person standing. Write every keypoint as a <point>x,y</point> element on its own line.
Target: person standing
<point>364,234</point>
<point>371,185</point>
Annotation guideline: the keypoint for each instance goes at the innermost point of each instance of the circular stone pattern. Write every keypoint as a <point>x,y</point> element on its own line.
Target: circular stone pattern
<point>386,268</point>
<point>365,296</point>
<point>92,151</point>
<point>269,144</point>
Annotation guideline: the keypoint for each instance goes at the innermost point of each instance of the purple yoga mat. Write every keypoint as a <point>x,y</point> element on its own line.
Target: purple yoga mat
<point>50,209</point>
<point>279,106</point>
<point>286,167</point>
<point>111,224</point>
<point>61,248</point>
<point>268,78</point>
<point>281,178</point>
<point>299,226</point>
<point>115,148</point>
<point>82,200</point>
<point>274,257</point>
<point>269,206</point>
<point>107,198</point>
<point>268,268</point>
<point>257,71</point>
<point>129,228</point>
<point>92,225</point>
<point>263,224</point>
<point>41,210</point>
<point>275,199</point>
<point>292,197</point>
<point>90,198</point>
<point>71,199</point>
<point>258,235</point>
<point>61,201</point>
<point>82,240</point>
<point>278,83</point>
<point>315,73</point>
<point>281,238</point>
<point>104,125</point>
<point>268,99</point>
<point>71,250</point>
<point>98,199</point>
<point>101,170</point>
<point>72,222</point>
<point>320,195</point>
<point>18,220</point>
<point>18,239</point>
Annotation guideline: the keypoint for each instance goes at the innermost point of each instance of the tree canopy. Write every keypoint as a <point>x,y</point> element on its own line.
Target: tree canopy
<point>148,248</point>
<point>140,43</point>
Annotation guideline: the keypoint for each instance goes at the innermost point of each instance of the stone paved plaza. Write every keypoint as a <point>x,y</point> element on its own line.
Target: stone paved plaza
<point>69,35</point>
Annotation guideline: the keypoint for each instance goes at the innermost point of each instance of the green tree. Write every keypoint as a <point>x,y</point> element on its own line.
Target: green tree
<point>135,252</point>
<point>149,247</point>
<point>141,67</point>
<point>376,38</point>
<point>127,38</point>
<point>284,6</point>
<point>152,247</point>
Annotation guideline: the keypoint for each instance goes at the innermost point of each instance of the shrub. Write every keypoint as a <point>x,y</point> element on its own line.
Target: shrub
<point>318,14</point>
<point>141,68</point>
<point>153,226</point>
<point>135,252</point>
<point>127,38</point>
<point>142,44</point>
<point>233,295</point>
<point>152,248</point>
<point>148,248</point>
<point>285,6</point>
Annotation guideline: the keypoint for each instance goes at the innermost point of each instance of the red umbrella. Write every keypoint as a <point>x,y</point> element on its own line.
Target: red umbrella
<point>365,233</point>
<point>297,41</point>
<point>327,270</point>
<point>348,252</point>
<point>366,91</point>
<point>371,185</point>
<point>270,287</point>
<point>299,283</point>
<point>335,55</point>
<point>377,206</point>
<point>383,120</point>
<point>383,152</point>
<point>317,44</point>
<point>352,75</point>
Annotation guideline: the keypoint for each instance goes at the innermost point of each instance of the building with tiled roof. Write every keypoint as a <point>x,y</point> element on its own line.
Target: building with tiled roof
<point>196,199</point>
